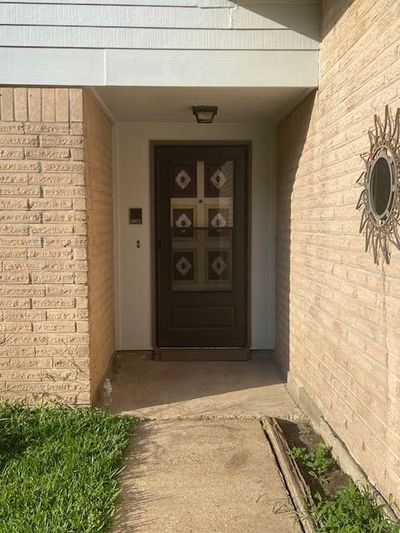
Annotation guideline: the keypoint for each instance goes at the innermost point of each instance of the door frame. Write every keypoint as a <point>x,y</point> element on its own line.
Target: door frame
<point>153,144</point>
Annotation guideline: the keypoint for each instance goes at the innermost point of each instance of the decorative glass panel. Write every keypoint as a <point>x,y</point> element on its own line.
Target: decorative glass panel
<point>202,226</point>
<point>202,263</point>
<point>219,265</point>
<point>218,179</point>
<point>184,181</point>
<point>184,266</point>
<point>183,222</point>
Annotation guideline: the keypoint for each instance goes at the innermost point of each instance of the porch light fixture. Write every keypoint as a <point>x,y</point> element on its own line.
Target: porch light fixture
<point>380,197</point>
<point>205,113</point>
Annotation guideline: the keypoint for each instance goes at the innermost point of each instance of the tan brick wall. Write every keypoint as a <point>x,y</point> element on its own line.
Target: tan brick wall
<point>99,195</point>
<point>56,282</point>
<point>338,314</point>
<point>43,269</point>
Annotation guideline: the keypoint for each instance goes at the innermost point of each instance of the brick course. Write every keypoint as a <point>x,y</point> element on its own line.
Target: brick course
<point>337,312</point>
<point>44,309</point>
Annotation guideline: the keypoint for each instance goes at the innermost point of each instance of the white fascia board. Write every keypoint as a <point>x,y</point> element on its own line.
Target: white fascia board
<point>158,68</point>
<point>51,66</point>
<point>202,68</point>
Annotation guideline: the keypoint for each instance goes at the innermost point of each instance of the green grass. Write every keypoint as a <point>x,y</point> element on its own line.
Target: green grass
<point>58,468</point>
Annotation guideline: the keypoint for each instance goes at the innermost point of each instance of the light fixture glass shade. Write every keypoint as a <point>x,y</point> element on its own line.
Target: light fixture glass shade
<point>205,113</point>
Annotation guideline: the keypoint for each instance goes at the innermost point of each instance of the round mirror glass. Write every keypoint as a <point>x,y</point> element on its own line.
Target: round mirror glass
<point>380,186</point>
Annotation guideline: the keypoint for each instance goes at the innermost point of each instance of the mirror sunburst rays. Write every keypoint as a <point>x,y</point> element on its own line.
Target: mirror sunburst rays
<point>379,200</point>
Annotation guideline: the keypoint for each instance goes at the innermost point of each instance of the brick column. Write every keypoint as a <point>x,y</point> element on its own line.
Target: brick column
<point>44,343</point>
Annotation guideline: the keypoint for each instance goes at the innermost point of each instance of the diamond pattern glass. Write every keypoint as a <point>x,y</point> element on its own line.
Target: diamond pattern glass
<point>202,220</point>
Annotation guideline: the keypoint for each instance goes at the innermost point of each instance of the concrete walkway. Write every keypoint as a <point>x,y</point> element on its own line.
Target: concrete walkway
<point>202,464</point>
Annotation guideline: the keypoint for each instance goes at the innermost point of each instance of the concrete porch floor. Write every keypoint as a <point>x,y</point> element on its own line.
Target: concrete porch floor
<point>175,389</point>
<point>201,463</point>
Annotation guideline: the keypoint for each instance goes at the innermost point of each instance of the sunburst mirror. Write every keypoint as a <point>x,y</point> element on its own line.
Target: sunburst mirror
<point>380,198</point>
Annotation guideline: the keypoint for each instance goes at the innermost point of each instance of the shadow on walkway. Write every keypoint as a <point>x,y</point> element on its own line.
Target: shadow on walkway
<point>173,389</point>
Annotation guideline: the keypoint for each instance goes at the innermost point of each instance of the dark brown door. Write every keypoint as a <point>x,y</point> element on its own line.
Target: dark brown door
<point>201,232</point>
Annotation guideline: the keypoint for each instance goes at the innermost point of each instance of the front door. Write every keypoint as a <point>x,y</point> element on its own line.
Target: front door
<point>201,253</point>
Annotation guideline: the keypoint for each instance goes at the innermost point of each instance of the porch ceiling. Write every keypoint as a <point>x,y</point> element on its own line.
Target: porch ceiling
<point>174,104</point>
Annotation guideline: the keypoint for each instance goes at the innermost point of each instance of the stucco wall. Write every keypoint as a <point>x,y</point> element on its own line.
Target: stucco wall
<point>99,204</point>
<point>135,297</point>
<point>44,345</point>
<point>338,313</point>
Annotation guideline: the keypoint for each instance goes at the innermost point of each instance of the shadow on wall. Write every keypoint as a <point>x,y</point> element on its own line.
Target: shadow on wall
<point>291,139</point>
<point>303,19</point>
<point>333,12</point>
